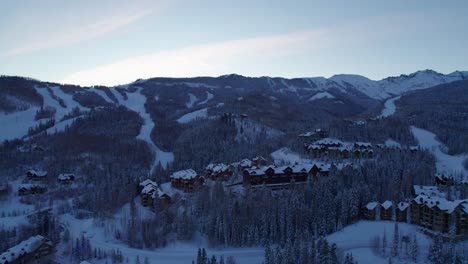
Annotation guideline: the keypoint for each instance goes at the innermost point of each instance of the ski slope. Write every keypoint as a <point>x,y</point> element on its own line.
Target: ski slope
<point>389,107</point>
<point>445,163</point>
<point>136,102</point>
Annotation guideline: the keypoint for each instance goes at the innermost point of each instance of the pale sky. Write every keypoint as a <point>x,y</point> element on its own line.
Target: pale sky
<point>112,42</point>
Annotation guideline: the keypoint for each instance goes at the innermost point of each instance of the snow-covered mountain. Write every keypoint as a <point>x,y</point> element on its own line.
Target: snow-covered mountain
<point>392,86</point>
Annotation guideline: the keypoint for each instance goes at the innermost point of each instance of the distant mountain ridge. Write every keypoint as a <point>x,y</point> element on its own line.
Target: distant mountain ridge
<point>381,89</point>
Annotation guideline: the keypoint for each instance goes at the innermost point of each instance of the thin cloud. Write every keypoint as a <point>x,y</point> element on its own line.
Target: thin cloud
<point>209,59</point>
<point>83,31</point>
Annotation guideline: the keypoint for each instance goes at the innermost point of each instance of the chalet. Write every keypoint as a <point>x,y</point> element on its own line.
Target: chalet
<point>219,171</point>
<point>371,210</point>
<point>66,178</point>
<point>144,183</point>
<point>35,249</point>
<point>187,180</point>
<point>401,211</point>
<point>147,195</point>
<point>34,175</point>
<point>259,161</point>
<point>26,189</point>
<point>386,211</point>
<point>362,145</point>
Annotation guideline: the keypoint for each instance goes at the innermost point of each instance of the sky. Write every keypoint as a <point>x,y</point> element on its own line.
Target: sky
<point>111,42</point>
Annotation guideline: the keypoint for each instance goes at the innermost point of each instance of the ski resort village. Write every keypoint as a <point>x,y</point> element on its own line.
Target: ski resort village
<point>233,132</point>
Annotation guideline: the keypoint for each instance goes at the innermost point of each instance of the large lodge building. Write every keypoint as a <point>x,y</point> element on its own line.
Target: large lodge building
<point>36,249</point>
<point>429,209</point>
<point>278,177</point>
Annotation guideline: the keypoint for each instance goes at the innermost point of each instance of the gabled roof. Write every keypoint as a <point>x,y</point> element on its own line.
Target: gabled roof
<point>402,206</point>
<point>441,203</point>
<point>387,204</point>
<point>38,173</point>
<point>184,174</point>
<point>66,176</point>
<point>372,205</point>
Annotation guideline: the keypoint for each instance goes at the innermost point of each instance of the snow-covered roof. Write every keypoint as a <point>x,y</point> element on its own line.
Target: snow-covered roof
<point>220,167</point>
<point>148,189</point>
<point>328,141</point>
<point>38,173</point>
<point>441,203</point>
<point>428,190</point>
<point>363,144</point>
<point>148,182</point>
<point>26,246</point>
<point>372,205</point>
<point>387,204</point>
<point>402,206</point>
<point>307,134</point>
<point>245,163</point>
<point>184,174</point>
<point>259,158</point>
<point>65,176</point>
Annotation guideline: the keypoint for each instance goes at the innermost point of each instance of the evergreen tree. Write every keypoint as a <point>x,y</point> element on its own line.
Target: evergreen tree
<point>268,254</point>
<point>333,254</point>
<point>435,251</point>
<point>137,260</point>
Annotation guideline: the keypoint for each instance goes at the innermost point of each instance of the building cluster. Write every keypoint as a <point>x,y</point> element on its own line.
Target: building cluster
<point>37,182</point>
<point>35,249</point>
<point>430,209</point>
<point>152,195</point>
<point>332,147</point>
<point>278,177</point>
<point>187,180</point>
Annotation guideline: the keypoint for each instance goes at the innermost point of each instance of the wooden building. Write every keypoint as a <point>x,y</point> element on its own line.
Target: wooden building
<point>27,189</point>
<point>371,210</point>
<point>66,178</point>
<point>187,180</point>
<point>441,179</point>
<point>276,176</point>
<point>402,211</point>
<point>219,171</point>
<point>386,210</point>
<point>34,175</point>
<point>259,161</point>
<point>36,249</point>
<point>440,215</point>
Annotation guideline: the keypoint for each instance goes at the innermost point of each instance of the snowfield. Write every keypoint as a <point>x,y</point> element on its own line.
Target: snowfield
<point>445,163</point>
<point>187,118</point>
<point>323,95</point>
<point>176,253</point>
<point>17,124</point>
<point>286,156</point>
<point>356,239</point>
<point>389,107</point>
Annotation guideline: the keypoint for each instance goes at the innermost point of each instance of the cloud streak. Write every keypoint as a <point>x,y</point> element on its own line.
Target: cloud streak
<point>80,31</point>
<point>198,60</point>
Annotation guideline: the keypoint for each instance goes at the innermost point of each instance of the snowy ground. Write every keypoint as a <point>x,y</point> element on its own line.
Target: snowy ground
<point>356,239</point>
<point>187,118</point>
<point>389,107</point>
<point>445,163</point>
<point>16,125</point>
<point>287,156</point>
<point>209,96</point>
<point>176,253</point>
<point>322,95</point>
